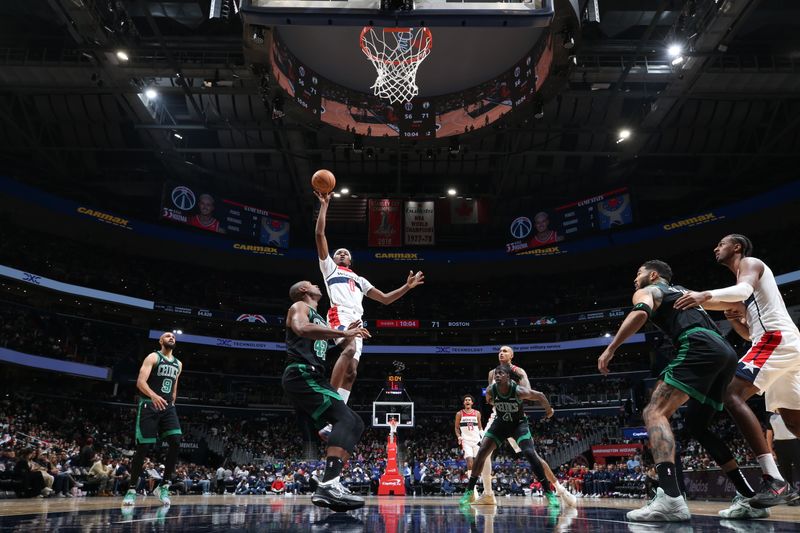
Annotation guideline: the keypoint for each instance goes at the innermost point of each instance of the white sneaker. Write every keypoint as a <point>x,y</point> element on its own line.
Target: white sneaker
<point>741,509</point>
<point>565,495</point>
<point>662,508</point>
<point>486,499</point>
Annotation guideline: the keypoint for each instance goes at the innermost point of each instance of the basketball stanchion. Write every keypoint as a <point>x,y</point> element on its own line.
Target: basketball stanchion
<point>391,480</point>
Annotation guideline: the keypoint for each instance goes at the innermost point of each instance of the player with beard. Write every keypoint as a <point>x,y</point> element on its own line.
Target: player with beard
<point>699,374</point>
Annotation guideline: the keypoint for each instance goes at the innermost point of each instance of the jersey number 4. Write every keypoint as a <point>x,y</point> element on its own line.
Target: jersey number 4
<point>321,348</point>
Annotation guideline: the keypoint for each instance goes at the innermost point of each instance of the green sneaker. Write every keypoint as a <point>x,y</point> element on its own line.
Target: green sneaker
<point>130,498</point>
<point>552,499</point>
<point>163,494</point>
<point>467,498</point>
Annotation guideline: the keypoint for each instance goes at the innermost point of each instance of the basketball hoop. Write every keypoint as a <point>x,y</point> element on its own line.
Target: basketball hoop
<point>392,428</point>
<point>396,54</point>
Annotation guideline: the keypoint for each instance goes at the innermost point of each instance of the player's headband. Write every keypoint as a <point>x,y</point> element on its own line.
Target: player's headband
<point>343,250</point>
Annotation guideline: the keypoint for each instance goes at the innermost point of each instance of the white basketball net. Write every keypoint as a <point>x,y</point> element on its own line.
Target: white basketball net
<point>396,54</point>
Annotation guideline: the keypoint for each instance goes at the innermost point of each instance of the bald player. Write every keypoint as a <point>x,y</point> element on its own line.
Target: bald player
<point>346,290</point>
<point>156,415</point>
<point>505,356</point>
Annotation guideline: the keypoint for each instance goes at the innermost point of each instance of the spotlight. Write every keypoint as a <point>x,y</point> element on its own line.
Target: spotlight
<point>624,135</point>
<point>337,195</point>
<point>177,331</point>
<point>451,192</point>
<point>606,335</point>
<point>177,135</point>
<point>345,190</point>
<point>122,56</point>
<point>151,94</point>
<point>677,61</point>
<point>674,50</point>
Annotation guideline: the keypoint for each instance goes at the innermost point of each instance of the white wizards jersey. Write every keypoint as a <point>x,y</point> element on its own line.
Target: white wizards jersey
<point>766,310</point>
<point>469,425</point>
<point>346,290</point>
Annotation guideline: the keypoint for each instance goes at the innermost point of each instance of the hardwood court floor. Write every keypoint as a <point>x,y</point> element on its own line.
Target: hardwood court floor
<point>198,514</point>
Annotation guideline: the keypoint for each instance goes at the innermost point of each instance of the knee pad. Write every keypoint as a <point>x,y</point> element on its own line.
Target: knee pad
<point>347,427</point>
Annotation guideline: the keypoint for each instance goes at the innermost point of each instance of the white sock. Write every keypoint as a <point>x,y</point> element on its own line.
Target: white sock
<point>768,466</point>
<point>469,473</point>
<point>344,393</point>
<point>486,476</point>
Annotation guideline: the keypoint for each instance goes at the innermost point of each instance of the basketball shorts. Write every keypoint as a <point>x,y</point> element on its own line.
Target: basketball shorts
<point>309,391</point>
<point>340,319</point>
<point>152,424</point>
<point>773,365</point>
<point>511,441</point>
<point>703,366</point>
<point>518,431</point>
<point>470,447</point>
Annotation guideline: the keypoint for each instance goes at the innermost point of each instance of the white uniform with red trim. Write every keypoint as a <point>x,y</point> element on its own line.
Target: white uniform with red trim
<point>773,362</point>
<point>346,290</point>
<point>470,434</point>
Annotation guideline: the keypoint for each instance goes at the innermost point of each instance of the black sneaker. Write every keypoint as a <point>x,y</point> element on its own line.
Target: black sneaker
<point>336,497</point>
<point>773,492</point>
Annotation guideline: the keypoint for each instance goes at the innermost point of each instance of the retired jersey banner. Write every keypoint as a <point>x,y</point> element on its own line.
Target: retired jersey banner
<point>419,223</point>
<point>385,223</point>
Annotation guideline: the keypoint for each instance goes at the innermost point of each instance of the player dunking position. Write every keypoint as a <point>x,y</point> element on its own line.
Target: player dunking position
<point>469,431</point>
<point>156,416</point>
<point>346,290</point>
<point>308,389</point>
<point>507,397</point>
<point>699,373</point>
<point>771,366</point>
<point>505,355</point>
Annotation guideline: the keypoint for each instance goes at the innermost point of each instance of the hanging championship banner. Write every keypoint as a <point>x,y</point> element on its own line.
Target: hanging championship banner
<point>385,223</point>
<point>419,223</point>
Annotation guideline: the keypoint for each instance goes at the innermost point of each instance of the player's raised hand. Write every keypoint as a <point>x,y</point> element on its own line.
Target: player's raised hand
<point>692,299</point>
<point>324,198</point>
<point>415,279</point>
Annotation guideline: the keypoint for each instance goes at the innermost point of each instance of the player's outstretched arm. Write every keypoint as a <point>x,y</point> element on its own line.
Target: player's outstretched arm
<point>141,382</point>
<point>413,280</point>
<point>644,303</point>
<point>525,393</point>
<point>750,271</point>
<point>458,426</point>
<point>319,231</point>
<point>298,321</point>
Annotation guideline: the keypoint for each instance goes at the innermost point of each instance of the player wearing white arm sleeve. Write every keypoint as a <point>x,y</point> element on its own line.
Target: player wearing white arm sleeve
<point>771,366</point>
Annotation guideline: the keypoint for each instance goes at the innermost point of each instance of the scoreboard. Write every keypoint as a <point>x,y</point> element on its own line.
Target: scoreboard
<point>307,89</point>
<point>417,120</point>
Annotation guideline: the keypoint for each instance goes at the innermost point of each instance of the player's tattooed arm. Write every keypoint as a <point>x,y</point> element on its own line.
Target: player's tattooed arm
<point>642,299</point>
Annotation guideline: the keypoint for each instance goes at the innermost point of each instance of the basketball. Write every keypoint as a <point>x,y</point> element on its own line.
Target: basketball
<point>323,181</point>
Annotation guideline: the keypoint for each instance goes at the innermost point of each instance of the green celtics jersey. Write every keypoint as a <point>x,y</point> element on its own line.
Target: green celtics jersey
<point>303,350</point>
<point>164,375</point>
<point>508,408</point>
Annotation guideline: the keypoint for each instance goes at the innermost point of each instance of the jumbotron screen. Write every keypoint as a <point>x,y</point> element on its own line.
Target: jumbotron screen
<point>209,211</point>
<point>548,227</point>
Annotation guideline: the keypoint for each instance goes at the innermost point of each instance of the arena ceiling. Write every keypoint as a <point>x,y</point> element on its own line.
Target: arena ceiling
<point>720,126</point>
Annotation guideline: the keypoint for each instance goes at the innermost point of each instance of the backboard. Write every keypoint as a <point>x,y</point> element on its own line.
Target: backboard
<point>382,412</point>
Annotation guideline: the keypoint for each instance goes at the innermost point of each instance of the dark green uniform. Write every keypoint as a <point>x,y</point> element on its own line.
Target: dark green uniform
<point>150,423</point>
<point>304,379</point>
<point>510,420</point>
<point>704,362</point>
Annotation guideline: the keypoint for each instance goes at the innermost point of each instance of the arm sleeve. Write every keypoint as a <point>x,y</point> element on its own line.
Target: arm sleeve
<point>737,293</point>
<point>327,266</point>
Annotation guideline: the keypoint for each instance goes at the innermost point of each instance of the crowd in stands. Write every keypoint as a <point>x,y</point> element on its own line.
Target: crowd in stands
<point>73,448</point>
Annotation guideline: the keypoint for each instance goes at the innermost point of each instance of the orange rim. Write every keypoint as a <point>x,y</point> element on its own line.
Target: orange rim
<point>428,40</point>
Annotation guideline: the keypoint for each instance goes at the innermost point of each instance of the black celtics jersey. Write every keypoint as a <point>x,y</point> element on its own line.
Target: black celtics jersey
<point>303,350</point>
<point>508,408</point>
<point>673,321</point>
<point>163,376</point>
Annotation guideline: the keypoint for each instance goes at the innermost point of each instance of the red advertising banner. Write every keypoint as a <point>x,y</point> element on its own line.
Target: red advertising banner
<point>398,324</point>
<point>615,450</point>
<point>385,223</point>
